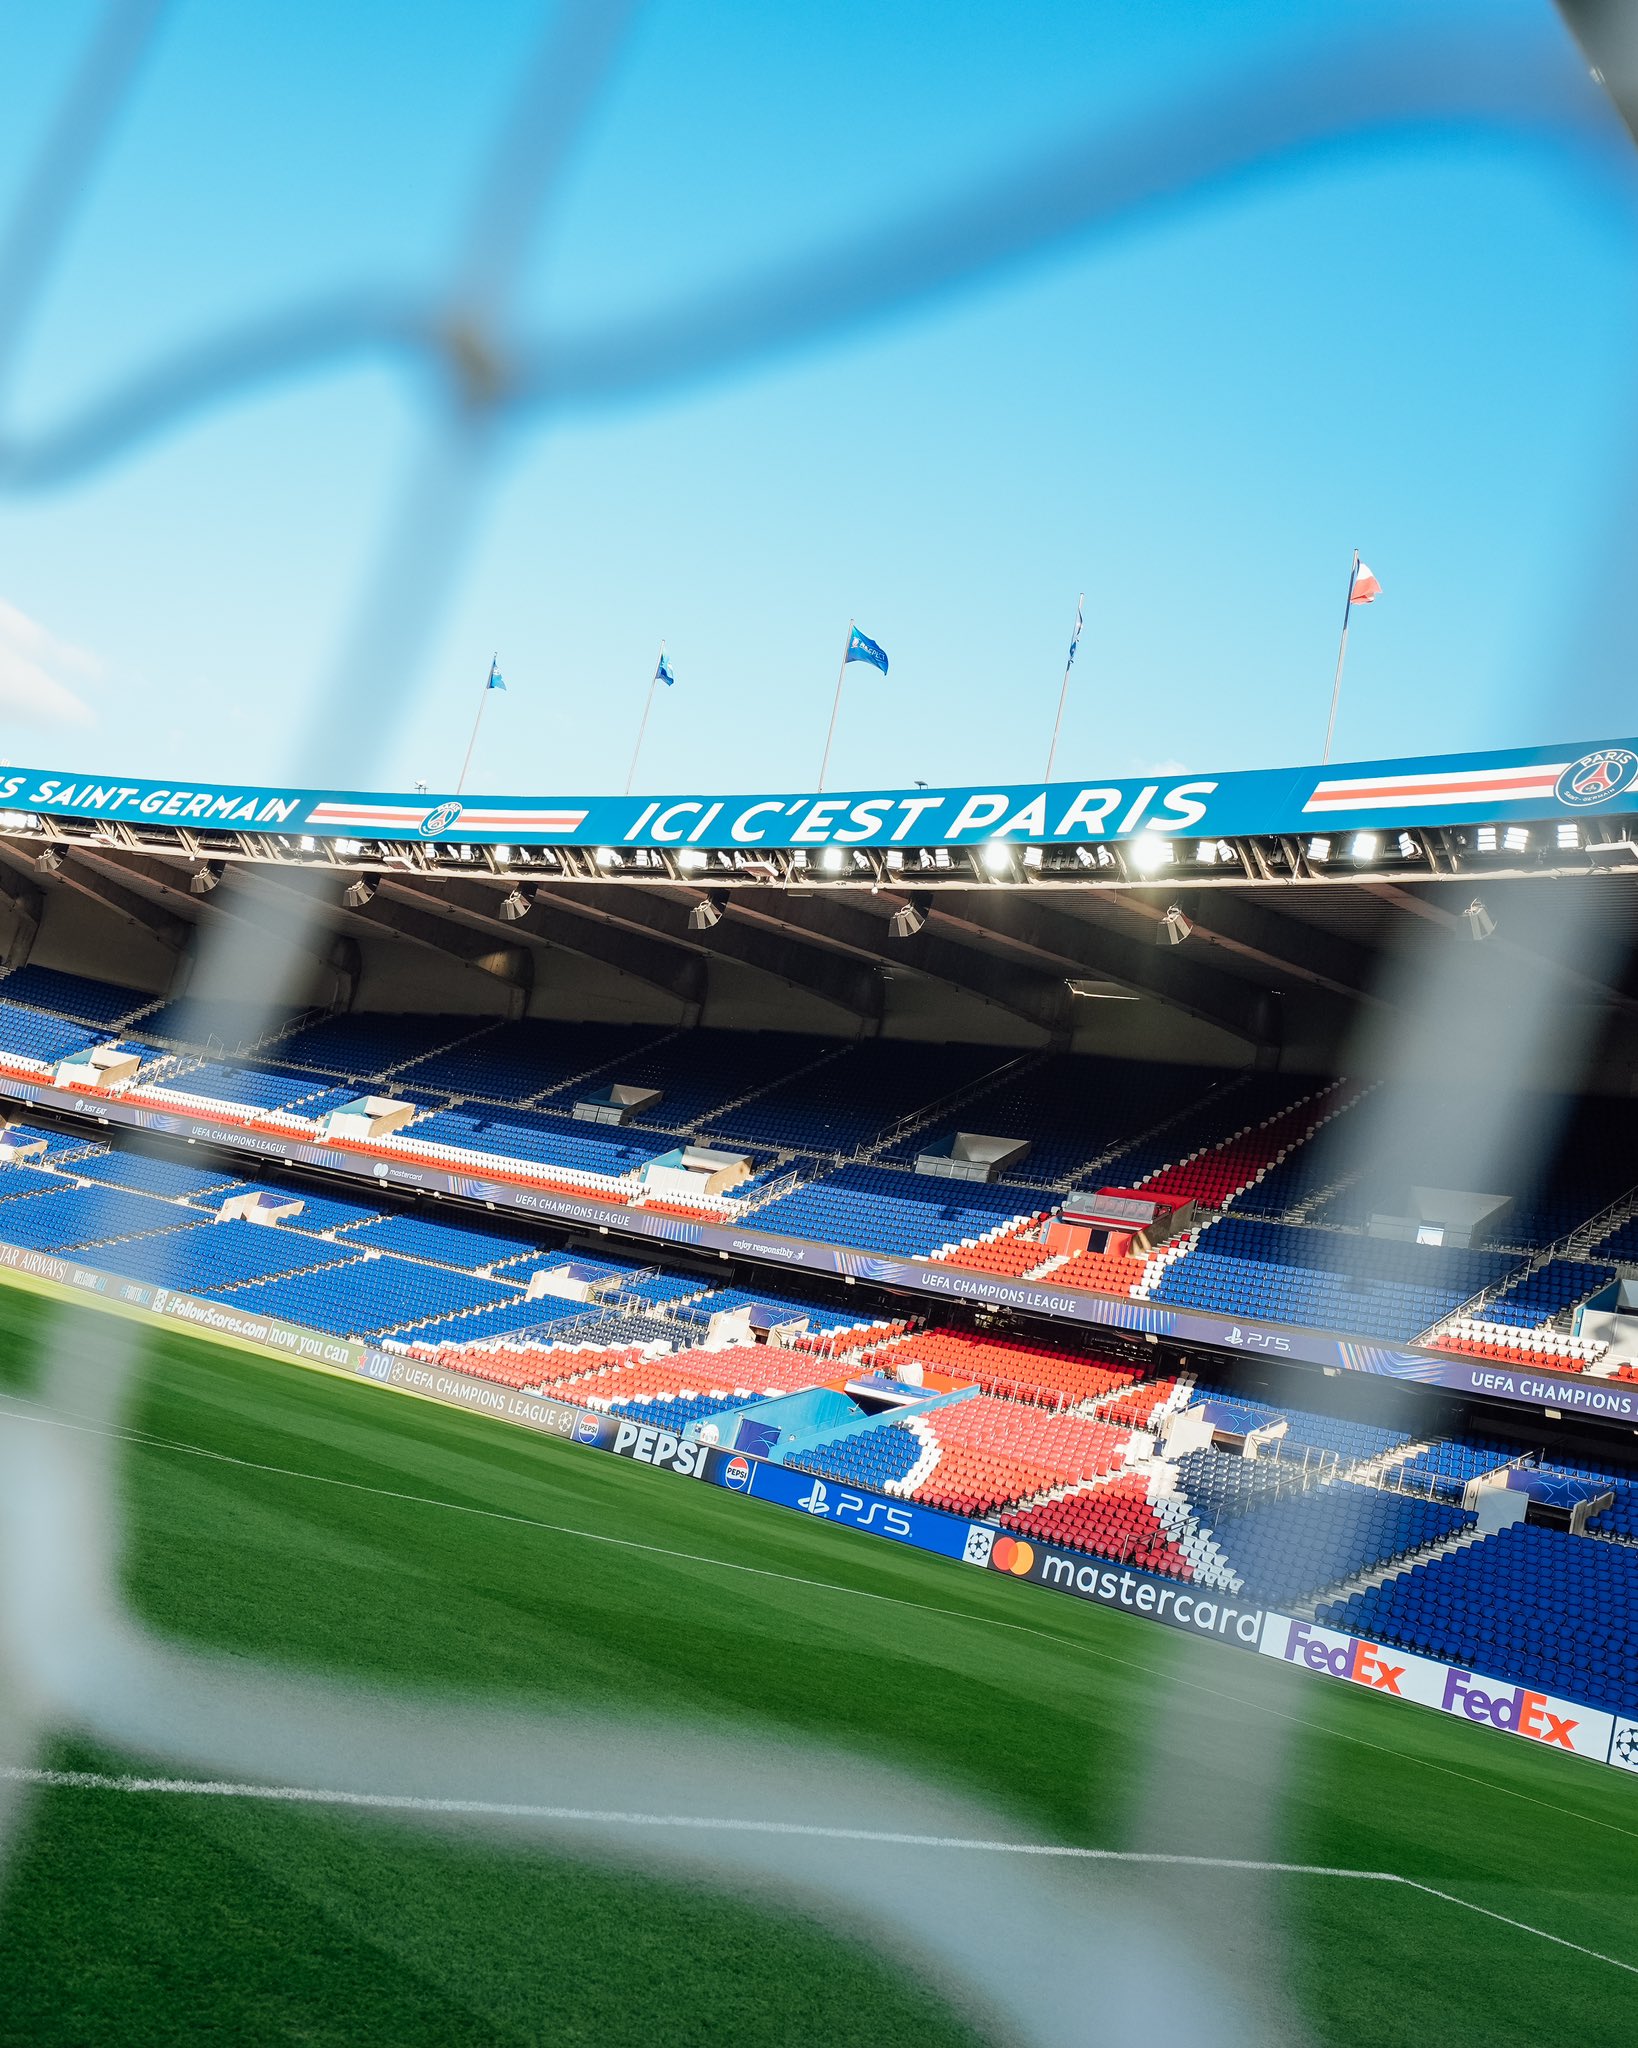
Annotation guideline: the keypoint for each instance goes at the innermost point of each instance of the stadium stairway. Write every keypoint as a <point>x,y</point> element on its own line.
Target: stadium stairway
<point>1393,1567</point>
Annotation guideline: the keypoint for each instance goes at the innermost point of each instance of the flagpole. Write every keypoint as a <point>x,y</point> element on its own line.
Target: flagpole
<point>836,703</point>
<point>1063,694</point>
<point>483,699</point>
<point>1342,656</point>
<point>642,726</point>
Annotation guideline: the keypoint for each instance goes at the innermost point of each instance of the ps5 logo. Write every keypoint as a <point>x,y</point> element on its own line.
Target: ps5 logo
<point>880,1515</point>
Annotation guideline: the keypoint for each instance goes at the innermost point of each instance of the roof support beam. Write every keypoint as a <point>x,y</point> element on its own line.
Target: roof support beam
<point>1240,923</point>
<point>852,986</point>
<point>675,970</point>
<point>71,871</point>
<point>1017,917</point>
<point>1042,1000</point>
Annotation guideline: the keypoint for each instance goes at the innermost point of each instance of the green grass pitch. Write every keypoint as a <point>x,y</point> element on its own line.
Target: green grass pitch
<point>145,1919</point>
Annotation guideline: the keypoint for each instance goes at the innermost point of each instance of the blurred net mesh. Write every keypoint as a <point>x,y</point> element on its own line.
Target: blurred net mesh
<point>73,1659</point>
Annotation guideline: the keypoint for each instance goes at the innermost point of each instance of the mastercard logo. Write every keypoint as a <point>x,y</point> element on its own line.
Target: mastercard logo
<point>1010,1554</point>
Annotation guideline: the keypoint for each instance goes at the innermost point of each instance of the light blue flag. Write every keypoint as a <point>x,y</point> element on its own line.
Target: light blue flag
<point>663,673</point>
<point>496,680</point>
<point>861,648</point>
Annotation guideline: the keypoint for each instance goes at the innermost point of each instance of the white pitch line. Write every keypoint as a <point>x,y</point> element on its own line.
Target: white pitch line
<point>704,1823</point>
<point>10,1406</point>
<point>404,1802</point>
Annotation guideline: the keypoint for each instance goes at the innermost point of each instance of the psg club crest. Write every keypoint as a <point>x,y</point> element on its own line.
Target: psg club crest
<point>439,820</point>
<point>1595,778</point>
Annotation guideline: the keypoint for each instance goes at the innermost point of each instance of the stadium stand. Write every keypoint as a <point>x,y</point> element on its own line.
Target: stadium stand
<point>1114,1519</point>
<point>1534,1606</point>
<point>891,1210</point>
<point>1076,1108</point>
<point>1051,1375</point>
<point>1373,1287</point>
<point>78,996</point>
<point>880,1459</point>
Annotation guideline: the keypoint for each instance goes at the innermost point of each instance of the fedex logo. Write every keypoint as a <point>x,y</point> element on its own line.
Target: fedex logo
<point>1361,1662</point>
<point>1521,1711</point>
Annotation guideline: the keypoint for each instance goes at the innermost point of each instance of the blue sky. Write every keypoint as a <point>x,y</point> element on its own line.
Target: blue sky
<point>1420,347</point>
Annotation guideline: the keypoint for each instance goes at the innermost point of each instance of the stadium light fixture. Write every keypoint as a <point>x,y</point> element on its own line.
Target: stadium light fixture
<point>359,891</point>
<point>1475,922</point>
<point>205,877</point>
<point>833,860</point>
<point>308,843</point>
<point>1100,991</point>
<point>1408,848</point>
<point>1173,928</point>
<point>1365,846</point>
<point>1569,834</point>
<point>48,860</point>
<point>692,860</point>
<point>1032,856</point>
<point>516,903</point>
<point>998,857</point>
<point>705,914</point>
<point>1319,849</point>
<point>907,920</point>
<point>503,856</point>
<point>1516,839</point>
<point>1487,839</point>
<point>1150,853</point>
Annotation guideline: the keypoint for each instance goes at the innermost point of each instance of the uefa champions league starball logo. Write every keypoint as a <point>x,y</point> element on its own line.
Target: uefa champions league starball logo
<point>1626,1747</point>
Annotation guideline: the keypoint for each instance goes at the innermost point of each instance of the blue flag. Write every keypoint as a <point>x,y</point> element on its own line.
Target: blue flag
<point>496,680</point>
<point>862,648</point>
<point>1075,639</point>
<point>663,673</point>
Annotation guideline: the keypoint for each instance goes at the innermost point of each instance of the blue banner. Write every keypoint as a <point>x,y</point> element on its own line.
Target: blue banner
<point>1565,781</point>
<point>827,1500</point>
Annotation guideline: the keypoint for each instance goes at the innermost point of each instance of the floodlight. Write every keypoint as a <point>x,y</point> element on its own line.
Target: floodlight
<point>1516,839</point>
<point>998,857</point>
<point>1408,848</point>
<point>833,860</point>
<point>205,877</point>
<point>1487,839</point>
<point>1319,849</point>
<point>1569,834</point>
<point>48,860</point>
<point>608,857</point>
<point>516,903</point>
<point>706,913</point>
<point>692,860</point>
<point>907,920</point>
<point>1149,853</point>
<point>358,892</point>
<point>1365,846</point>
<point>1475,922</point>
<point>1173,928</point>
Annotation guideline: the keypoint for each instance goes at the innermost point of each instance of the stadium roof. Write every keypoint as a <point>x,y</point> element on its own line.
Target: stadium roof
<point>1031,922</point>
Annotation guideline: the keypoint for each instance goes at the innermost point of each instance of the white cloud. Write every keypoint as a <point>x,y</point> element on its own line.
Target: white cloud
<point>38,672</point>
